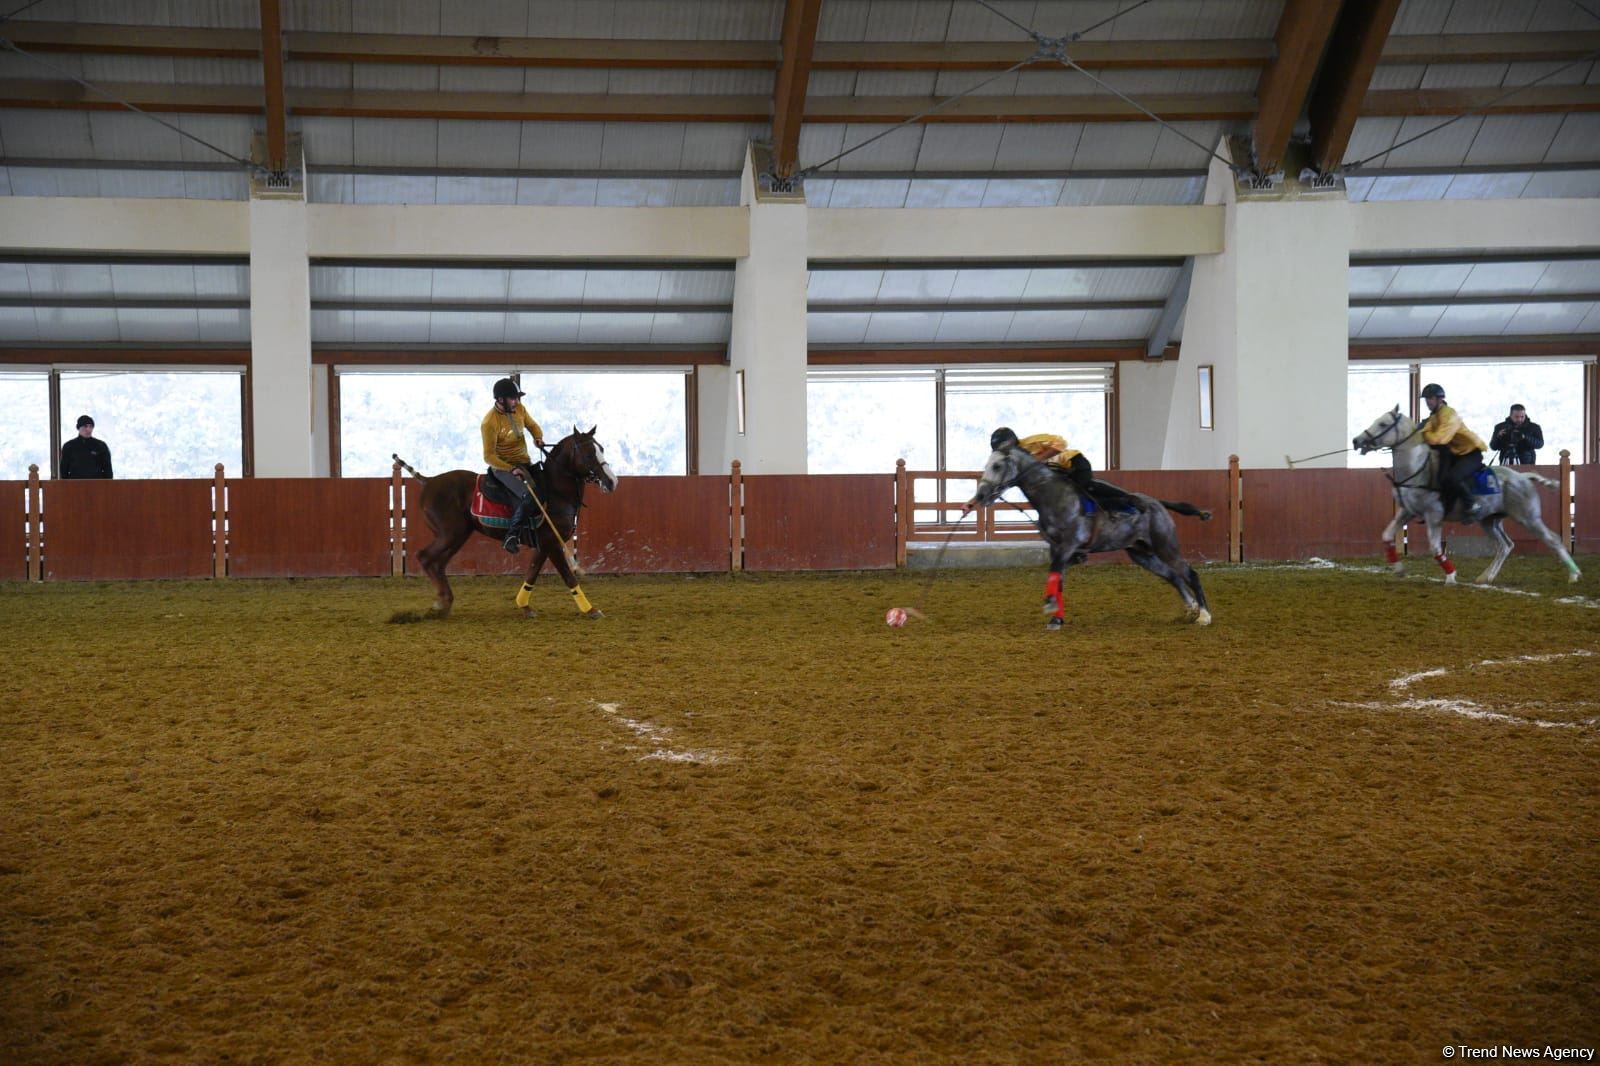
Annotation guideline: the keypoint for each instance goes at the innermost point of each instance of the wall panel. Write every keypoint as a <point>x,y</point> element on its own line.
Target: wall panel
<point>308,527</point>
<point>13,530</point>
<point>819,522</point>
<point>101,530</point>
<point>656,525</point>
<point>1297,514</point>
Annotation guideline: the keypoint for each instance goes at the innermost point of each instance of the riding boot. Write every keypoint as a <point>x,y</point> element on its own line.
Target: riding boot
<point>519,517</point>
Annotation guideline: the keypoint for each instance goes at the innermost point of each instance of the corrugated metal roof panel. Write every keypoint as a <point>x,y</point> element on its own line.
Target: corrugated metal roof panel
<point>300,75</point>
<point>141,184</point>
<point>485,18</point>
<point>395,77</point>
<point>1045,326</point>
<point>467,284</point>
<point>1476,321</point>
<point>551,286</point>
<point>1430,280</point>
<point>1022,192</point>
<point>123,135</point>
<point>565,80</point>
<point>717,146</point>
<point>558,192</point>
<point>634,285</point>
<point>395,189</point>
<point>1116,145</point>
<point>912,286</point>
<point>69,279</point>
<point>466,327</point>
<point>1421,16</point>
<point>974,327</point>
<point>903,327</point>
<point>14,280</point>
<point>895,83</point>
<point>841,285</point>
<point>897,151</point>
<point>1399,76</point>
<point>222,281</point>
<point>884,193</point>
<point>1170,191</point>
<point>1135,283</point>
<point>634,192</point>
<point>392,283</point>
<point>148,325</point>
<point>17,324</point>
<point>333,327</point>
<point>1464,75</point>
<point>1577,184</point>
<point>328,141</point>
<point>969,22</point>
<point>1371,281</point>
<point>696,286</point>
<point>330,188</point>
<point>959,147</point>
<point>739,20</point>
<point>820,328</point>
<point>561,145</point>
<point>321,16</point>
<point>571,18</point>
<point>476,191</point>
<point>481,80</point>
<point>524,328</point>
<point>1549,15</point>
<point>1444,146</point>
<point>1029,146</point>
<point>705,192</point>
<point>646,19</point>
<point>1358,319</point>
<point>231,133</point>
<point>1401,321</point>
<point>396,16</point>
<point>396,142</point>
<point>1092,192</point>
<point>690,329</point>
<point>1502,279</point>
<point>401,327</point>
<point>58,324</point>
<point>332,283</point>
<point>479,144</point>
<point>1576,276</point>
<point>1426,187</point>
<point>642,146</point>
<point>607,328</point>
<point>1117,325</point>
<point>1487,16</point>
<point>946,192</point>
<point>1573,143</point>
<point>981,283</point>
<point>1504,186</point>
<point>1549,318</point>
<point>1371,136</point>
<point>1591,321</point>
<point>223,327</point>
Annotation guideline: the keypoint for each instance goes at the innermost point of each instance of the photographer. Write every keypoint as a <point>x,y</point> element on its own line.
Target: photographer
<point>1517,438</point>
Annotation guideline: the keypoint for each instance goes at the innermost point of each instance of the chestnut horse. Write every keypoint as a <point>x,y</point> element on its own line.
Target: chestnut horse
<point>576,460</point>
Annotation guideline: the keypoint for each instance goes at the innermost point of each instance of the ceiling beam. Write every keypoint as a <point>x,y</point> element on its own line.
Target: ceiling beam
<point>457,50</point>
<point>800,19</point>
<point>272,85</point>
<point>1302,36</point>
<point>1353,54</point>
<point>645,107</point>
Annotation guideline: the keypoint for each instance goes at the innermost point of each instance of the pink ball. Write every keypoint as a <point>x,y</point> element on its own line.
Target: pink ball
<point>896,617</point>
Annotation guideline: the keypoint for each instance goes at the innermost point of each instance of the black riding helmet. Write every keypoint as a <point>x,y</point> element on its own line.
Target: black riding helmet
<point>1432,390</point>
<point>505,388</point>
<point>1001,438</point>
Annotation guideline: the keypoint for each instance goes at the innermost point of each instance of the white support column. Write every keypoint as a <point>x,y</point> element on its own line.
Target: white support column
<point>280,339</point>
<point>767,349</point>
<point>1270,315</point>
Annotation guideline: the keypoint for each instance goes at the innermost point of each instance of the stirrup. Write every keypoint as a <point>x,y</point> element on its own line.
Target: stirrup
<point>513,542</point>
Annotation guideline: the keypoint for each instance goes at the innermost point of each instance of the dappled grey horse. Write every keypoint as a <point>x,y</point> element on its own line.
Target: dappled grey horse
<point>1145,531</point>
<point>1414,478</point>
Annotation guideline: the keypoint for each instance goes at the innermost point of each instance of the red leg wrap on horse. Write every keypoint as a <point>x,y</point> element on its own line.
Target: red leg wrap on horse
<point>1391,554</point>
<point>1052,587</point>
<point>1445,564</point>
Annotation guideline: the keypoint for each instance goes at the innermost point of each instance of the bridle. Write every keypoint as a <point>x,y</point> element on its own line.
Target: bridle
<point>1372,442</point>
<point>1021,476</point>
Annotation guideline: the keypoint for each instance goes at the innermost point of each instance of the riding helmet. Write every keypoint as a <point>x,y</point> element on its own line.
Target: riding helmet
<point>505,388</point>
<point>1001,438</point>
<point>1432,390</point>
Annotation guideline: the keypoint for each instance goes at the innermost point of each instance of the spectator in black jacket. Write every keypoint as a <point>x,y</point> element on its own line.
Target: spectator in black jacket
<point>83,456</point>
<point>1517,438</point>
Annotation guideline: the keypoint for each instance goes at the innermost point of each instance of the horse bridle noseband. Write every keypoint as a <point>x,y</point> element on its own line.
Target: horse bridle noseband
<point>1373,441</point>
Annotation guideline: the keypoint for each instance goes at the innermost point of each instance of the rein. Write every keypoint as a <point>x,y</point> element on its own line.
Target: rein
<point>1421,470</point>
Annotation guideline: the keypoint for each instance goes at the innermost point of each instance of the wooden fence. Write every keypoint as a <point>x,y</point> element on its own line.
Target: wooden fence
<point>359,527</point>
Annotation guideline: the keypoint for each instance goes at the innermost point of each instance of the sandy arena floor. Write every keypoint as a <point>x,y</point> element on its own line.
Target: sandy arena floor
<point>740,819</point>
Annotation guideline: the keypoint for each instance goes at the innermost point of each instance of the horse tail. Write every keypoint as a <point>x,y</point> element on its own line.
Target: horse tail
<point>410,469</point>
<point>1189,509</point>
<point>1540,480</point>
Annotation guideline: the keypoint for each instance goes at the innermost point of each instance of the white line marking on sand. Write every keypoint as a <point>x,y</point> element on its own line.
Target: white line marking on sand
<point>658,737</point>
<point>1467,708</point>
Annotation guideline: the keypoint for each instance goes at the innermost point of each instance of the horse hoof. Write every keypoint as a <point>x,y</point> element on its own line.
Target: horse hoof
<point>1203,618</point>
<point>1055,623</point>
<point>527,612</point>
<point>1398,570</point>
<point>1449,579</point>
<point>595,613</point>
<point>1573,578</point>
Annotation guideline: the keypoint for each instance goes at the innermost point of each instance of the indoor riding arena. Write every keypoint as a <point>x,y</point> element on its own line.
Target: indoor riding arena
<point>524,525</point>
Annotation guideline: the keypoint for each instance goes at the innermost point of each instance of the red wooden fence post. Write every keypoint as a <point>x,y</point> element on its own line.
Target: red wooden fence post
<point>1567,539</point>
<point>902,512</point>
<point>397,543</point>
<point>35,534</point>
<point>736,519</point>
<point>219,524</point>
<point>1235,518</point>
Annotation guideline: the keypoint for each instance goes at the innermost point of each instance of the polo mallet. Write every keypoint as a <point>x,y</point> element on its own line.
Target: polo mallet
<point>526,591</point>
<point>933,572</point>
<point>1308,458</point>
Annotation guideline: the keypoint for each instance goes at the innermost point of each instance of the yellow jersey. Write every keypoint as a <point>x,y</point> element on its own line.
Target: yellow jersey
<point>1049,448</point>
<point>504,446</point>
<point>1444,426</point>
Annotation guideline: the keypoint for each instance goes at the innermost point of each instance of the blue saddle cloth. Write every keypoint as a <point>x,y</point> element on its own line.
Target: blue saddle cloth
<point>1484,483</point>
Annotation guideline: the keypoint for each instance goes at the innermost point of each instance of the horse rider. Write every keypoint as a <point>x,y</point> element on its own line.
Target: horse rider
<point>505,449</point>
<point>1070,463</point>
<point>1460,453</point>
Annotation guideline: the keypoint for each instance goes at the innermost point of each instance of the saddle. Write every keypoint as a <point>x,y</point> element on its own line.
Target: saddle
<point>1484,483</point>
<point>493,504</point>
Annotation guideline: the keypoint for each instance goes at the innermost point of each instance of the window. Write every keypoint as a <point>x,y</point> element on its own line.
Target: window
<point>1373,390</point>
<point>859,420</point>
<point>1066,400</point>
<point>25,423</point>
<point>1208,419</point>
<point>1482,392</point>
<point>738,387</point>
<point>160,423</point>
<point>432,419</point>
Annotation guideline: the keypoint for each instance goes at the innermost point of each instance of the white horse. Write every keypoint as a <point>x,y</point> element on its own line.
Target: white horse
<point>1415,496</point>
